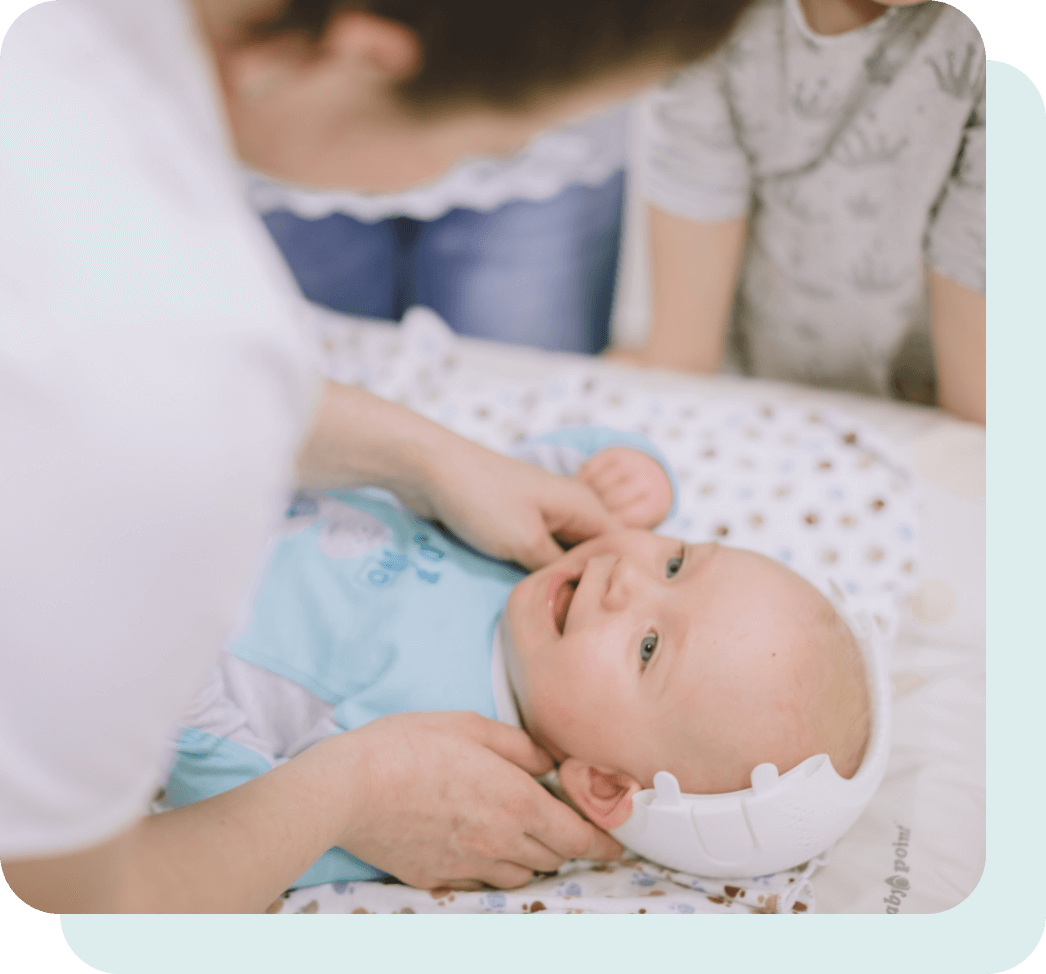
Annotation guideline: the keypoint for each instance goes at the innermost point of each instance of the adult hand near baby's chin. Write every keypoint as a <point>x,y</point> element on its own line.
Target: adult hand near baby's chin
<point>449,799</point>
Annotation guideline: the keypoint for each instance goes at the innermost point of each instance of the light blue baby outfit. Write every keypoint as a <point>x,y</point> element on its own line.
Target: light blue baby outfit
<point>364,610</point>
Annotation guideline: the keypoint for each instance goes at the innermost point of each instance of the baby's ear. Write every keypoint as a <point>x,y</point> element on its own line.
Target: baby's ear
<point>605,797</point>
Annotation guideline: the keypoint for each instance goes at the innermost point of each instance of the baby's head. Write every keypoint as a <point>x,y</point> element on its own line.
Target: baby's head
<point>635,653</point>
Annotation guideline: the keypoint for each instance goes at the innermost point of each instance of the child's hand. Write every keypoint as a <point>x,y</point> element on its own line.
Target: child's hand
<point>632,486</point>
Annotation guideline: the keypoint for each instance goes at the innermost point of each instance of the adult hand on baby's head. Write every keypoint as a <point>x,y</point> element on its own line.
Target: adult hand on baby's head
<point>448,799</point>
<point>632,486</point>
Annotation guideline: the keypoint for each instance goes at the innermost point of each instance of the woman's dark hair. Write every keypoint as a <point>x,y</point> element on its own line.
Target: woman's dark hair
<point>504,52</point>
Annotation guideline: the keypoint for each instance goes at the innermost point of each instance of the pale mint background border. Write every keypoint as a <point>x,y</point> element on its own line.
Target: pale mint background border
<point>993,930</point>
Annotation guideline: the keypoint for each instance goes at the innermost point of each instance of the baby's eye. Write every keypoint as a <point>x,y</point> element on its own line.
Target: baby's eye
<point>647,647</point>
<point>673,566</point>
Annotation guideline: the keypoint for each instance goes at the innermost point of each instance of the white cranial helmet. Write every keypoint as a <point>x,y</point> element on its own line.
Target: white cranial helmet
<point>782,820</point>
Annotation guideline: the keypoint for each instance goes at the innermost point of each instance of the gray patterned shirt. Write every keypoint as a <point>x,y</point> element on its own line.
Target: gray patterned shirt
<point>859,160</point>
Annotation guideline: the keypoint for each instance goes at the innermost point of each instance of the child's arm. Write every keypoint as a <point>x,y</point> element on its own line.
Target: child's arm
<point>694,268</point>
<point>956,259</point>
<point>693,175</point>
<point>957,319</point>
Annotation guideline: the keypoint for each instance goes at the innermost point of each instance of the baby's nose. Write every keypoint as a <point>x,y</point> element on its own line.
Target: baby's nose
<point>625,584</point>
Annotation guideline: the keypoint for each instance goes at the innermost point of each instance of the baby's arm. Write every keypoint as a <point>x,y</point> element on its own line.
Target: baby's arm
<point>632,486</point>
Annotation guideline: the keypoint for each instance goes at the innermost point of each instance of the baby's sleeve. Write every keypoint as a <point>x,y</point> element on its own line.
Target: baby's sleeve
<point>955,245</point>
<point>565,451</point>
<point>691,163</point>
<point>217,747</point>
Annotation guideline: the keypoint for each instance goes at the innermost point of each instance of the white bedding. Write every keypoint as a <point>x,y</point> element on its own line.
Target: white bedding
<point>919,847</point>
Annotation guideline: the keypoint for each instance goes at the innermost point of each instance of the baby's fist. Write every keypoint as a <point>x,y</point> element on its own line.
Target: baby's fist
<point>631,485</point>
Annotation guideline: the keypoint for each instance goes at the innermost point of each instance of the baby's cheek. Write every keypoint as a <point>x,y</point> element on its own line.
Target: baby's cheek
<point>585,723</point>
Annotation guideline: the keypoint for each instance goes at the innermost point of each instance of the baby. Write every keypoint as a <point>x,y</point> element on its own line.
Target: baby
<point>632,653</point>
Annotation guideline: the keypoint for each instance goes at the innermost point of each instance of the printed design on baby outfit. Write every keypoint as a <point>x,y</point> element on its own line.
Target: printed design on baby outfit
<point>350,533</point>
<point>430,553</point>
<point>422,562</point>
<point>345,532</point>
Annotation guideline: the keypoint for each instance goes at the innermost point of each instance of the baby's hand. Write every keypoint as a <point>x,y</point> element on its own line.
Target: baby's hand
<point>632,486</point>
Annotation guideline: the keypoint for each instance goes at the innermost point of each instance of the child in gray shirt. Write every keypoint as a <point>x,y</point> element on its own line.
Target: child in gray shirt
<point>830,160</point>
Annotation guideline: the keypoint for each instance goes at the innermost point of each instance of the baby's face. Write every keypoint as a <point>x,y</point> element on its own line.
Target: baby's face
<point>635,653</point>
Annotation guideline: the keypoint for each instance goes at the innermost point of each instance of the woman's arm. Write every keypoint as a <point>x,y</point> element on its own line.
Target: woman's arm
<point>957,319</point>
<point>435,799</point>
<point>694,270</point>
<point>502,506</point>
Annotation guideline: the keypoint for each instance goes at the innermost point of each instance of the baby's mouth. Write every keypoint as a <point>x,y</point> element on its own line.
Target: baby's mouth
<point>561,602</point>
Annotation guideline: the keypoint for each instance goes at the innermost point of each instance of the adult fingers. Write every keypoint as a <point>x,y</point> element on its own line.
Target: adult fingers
<point>513,745</point>
<point>547,820</point>
<point>506,875</point>
<point>537,547</point>
<point>536,856</point>
<point>574,512</point>
<point>602,847</point>
<point>567,834</point>
<point>462,885</point>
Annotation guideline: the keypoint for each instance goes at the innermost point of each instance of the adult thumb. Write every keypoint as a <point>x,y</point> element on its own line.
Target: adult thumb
<point>515,745</point>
